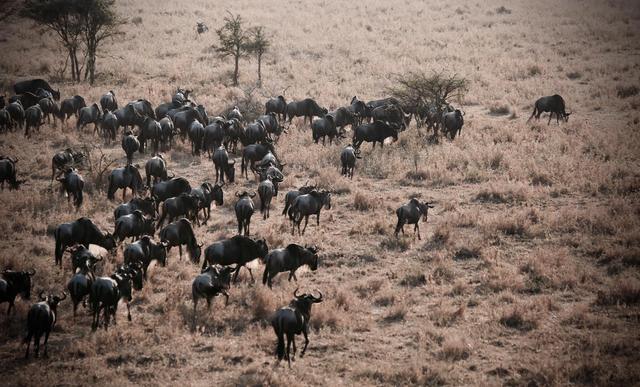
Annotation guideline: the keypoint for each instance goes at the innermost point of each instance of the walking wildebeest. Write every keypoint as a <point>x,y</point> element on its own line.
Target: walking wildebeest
<point>183,205</point>
<point>128,116</point>
<point>125,177</point>
<point>378,131</point>
<point>130,145</point>
<point>207,194</point>
<point>49,109</point>
<point>32,118</point>
<point>348,160</point>
<point>271,124</point>
<point>244,210</point>
<point>16,112</point>
<point>8,173</point>
<point>79,286</point>
<point>41,320</point>
<point>277,105</point>
<point>323,127</point>
<point>13,283</point>
<point>452,123</point>
<point>150,130</point>
<point>224,166</point>
<point>108,101</point>
<point>71,106</point>
<point>181,233</point>
<point>144,251</point>
<point>6,122</point>
<point>196,136</point>
<point>32,86</point>
<point>293,194</point>
<point>173,187</point>
<point>73,184</point>
<point>307,108</point>
<point>89,115</point>
<point>238,250</point>
<point>107,291</point>
<point>156,167</point>
<point>109,126</point>
<point>212,281</point>
<point>133,225</point>
<point>308,204</point>
<point>65,159</point>
<point>253,153</point>
<point>289,259</point>
<point>146,205</point>
<point>410,213</point>
<point>553,104</point>
<point>82,231</point>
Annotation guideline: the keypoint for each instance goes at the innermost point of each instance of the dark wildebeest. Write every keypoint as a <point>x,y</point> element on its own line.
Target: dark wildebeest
<point>109,126</point>
<point>107,291</point>
<point>26,100</point>
<point>184,116</point>
<point>308,204</point>
<point>269,171</point>
<point>82,231</point>
<point>289,259</point>
<point>130,145</point>
<point>377,131</point>
<point>554,104</point>
<point>146,205</point>
<point>244,210</point>
<point>181,233</point>
<point>156,167</point>
<point>207,194</point>
<point>8,173</point>
<point>291,321</point>
<point>213,136</point>
<point>41,320</point>
<point>144,251</point>
<point>167,131</point>
<point>224,166</point>
<point>233,132</point>
<point>238,250</point>
<point>128,116</point>
<point>253,153</point>
<point>49,109</point>
<point>358,109</point>
<point>108,101</point>
<point>80,255</point>
<point>277,105</point>
<point>73,184</point>
<point>266,192</point>
<point>235,114</point>
<point>6,122</point>
<point>133,225</point>
<point>452,123</point>
<point>410,213</point>
<point>89,115</point>
<point>183,205</point>
<point>71,106</point>
<point>391,114</point>
<point>65,159</point>
<point>348,160</point>
<point>196,136</point>
<point>254,133</point>
<point>150,130</point>
<point>79,286</point>
<point>33,118</point>
<point>125,177</point>
<point>307,108</point>
<point>323,127</point>
<point>143,107</point>
<point>16,111</point>
<point>13,283</point>
<point>173,187</point>
<point>343,117</point>
<point>271,124</point>
<point>32,86</point>
<point>212,281</point>
<point>293,194</point>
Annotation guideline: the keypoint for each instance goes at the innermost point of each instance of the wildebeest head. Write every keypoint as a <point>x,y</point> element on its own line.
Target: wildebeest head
<point>123,279</point>
<point>312,251</point>
<point>21,280</point>
<point>424,209</point>
<point>245,194</point>
<point>304,301</point>
<point>194,252</point>
<point>52,299</point>
<point>109,242</point>
<point>263,249</point>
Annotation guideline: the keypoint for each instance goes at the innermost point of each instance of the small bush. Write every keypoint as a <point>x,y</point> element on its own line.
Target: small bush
<point>455,349</point>
<point>136,20</point>
<point>414,280</point>
<point>574,75</point>
<point>362,202</point>
<point>627,91</point>
<point>503,11</point>
<point>499,110</point>
<point>516,319</point>
<point>393,243</point>
<point>534,70</point>
<point>397,313</point>
<point>623,292</point>
<point>465,253</point>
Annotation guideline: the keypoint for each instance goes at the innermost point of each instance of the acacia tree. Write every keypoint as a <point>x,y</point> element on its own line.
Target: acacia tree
<point>99,22</point>
<point>234,41</point>
<point>258,46</point>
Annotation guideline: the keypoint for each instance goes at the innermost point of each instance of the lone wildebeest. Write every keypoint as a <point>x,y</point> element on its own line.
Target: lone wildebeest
<point>82,231</point>
<point>553,104</point>
<point>307,108</point>
<point>125,177</point>
<point>212,281</point>
<point>73,184</point>
<point>41,320</point>
<point>244,210</point>
<point>377,131</point>
<point>410,213</point>
<point>452,123</point>
<point>32,86</point>
<point>8,172</point>
<point>181,233</point>
<point>277,105</point>
<point>238,250</point>
<point>289,259</point>
<point>293,320</point>
<point>13,283</point>
<point>306,205</point>
<point>348,160</point>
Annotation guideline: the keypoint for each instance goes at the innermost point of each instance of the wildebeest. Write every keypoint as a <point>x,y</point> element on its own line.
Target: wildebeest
<point>156,167</point>
<point>212,281</point>
<point>80,255</point>
<point>125,177</point>
<point>13,283</point>
<point>213,135</point>
<point>181,233</point>
<point>89,115</point>
<point>235,114</point>
<point>271,125</point>
<point>254,133</point>
<point>79,286</point>
<point>266,192</point>
<point>32,86</point>
<point>291,321</point>
<point>323,127</point>
<point>244,210</point>
<point>238,250</point>
<point>277,105</point>
<point>391,114</point>
<point>109,101</point>
<point>130,145</point>
<point>8,172</point>
<point>233,132</point>
<point>377,131</point>
<point>150,130</point>
<point>128,116</point>
<point>41,320</point>
<point>109,126</point>
<point>184,116</point>
<point>49,109</point>
<point>32,118</point>
<point>207,194</point>
<point>223,166</point>
<point>6,122</point>
<point>253,153</point>
<point>107,291</point>
<point>343,117</point>
<point>307,108</point>
<point>16,112</point>
<point>289,259</point>
<point>183,205</point>
<point>201,28</point>
<point>133,225</point>
<point>144,251</point>
<point>293,194</point>
<point>71,106</point>
<point>196,136</point>
<point>73,184</point>
<point>27,99</point>
<point>348,160</point>
<point>143,107</point>
<point>452,123</point>
<point>358,109</point>
<point>65,159</point>
<point>173,187</point>
<point>146,205</point>
<point>167,131</point>
<point>410,213</point>
<point>554,104</point>
<point>309,204</point>
<point>82,231</point>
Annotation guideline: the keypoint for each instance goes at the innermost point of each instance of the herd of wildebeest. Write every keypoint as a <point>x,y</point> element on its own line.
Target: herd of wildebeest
<point>171,206</point>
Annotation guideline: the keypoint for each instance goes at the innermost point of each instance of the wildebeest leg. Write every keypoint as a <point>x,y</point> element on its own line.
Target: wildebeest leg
<point>293,341</point>
<point>46,339</point>
<point>306,340</point>
<point>399,227</point>
<point>180,250</point>
<point>226,295</point>
<point>36,343</point>
<point>318,218</point>
<point>124,191</point>
<point>306,221</point>
<point>235,275</point>
<point>289,339</point>
<point>239,227</point>
<point>550,116</point>
<point>28,340</point>
<point>416,230</point>
<point>195,305</point>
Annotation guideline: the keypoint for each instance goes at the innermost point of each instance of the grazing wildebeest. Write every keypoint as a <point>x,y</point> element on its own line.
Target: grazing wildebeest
<point>89,115</point>
<point>13,283</point>
<point>277,105</point>
<point>73,184</point>
<point>107,291</point>
<point>308,204</point>
<point>183,205</point>
<point>133,225</point>
<point>65,159</point>
<point>224,166</point>
<point>289,259</point>
<point>452,123</point>
<point>173,187</point>
<point>130,145</point>
<point>16,111</point>
<point>71,106</point>
<point>146,205</point>
<point>41,319</point>
<point>150,130</point>
<point>348,160</point>
<point>80,255</point>
<point>254,133</point>
<point>33,118</point>
<point>378,131</point>
<point>253,153</point>
<point>201,28</point>
<point>8,173</point>
<point>293,194</point>
<point>196,136</point>
<point>323,127</point>
<point>6,122</point>
<point>144,251</point>
<point>108,101</point>
<point>554,104</point>
<point>207,194</point>
<point>79,286</point>
<point>181,233</point>
<point>49,109</point>
<point>125,177</point>
<point>343,117</point>
<point>82,231</point>
<point>410,213</point>
<point>244,210</point>
<point>291,321</point>
<point>109,126</point>
<point>212,281</point>
<point>32,86</point>
<point>128,116</point>
<point>238,250</point>
<point>307,108</point>
<point>156,167</point>
<point>359,110</point>
<point>391,114</point>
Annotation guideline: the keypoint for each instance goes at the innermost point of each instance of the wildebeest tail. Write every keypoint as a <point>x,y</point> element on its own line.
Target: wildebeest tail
<point>265,275</point>
<point>79,198</point>
<point>110,191</point>
<point>535,109</point>
<point>279,331</point>
<point>59,251</point>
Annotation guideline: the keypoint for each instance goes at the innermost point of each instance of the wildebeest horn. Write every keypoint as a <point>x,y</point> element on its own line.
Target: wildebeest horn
<point>318,299</point>
<point>65,296</point>
<point>32,272</point>
<point>40,296</point>
<point>295,293</point>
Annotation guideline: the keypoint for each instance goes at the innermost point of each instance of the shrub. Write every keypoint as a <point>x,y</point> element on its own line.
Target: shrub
<point>627,91</point>
<point>362,202</point>
<point>623,292</point>
<point>516,319</point>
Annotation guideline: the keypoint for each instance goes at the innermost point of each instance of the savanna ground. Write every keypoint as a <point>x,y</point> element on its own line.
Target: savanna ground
<point>528,270</point>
